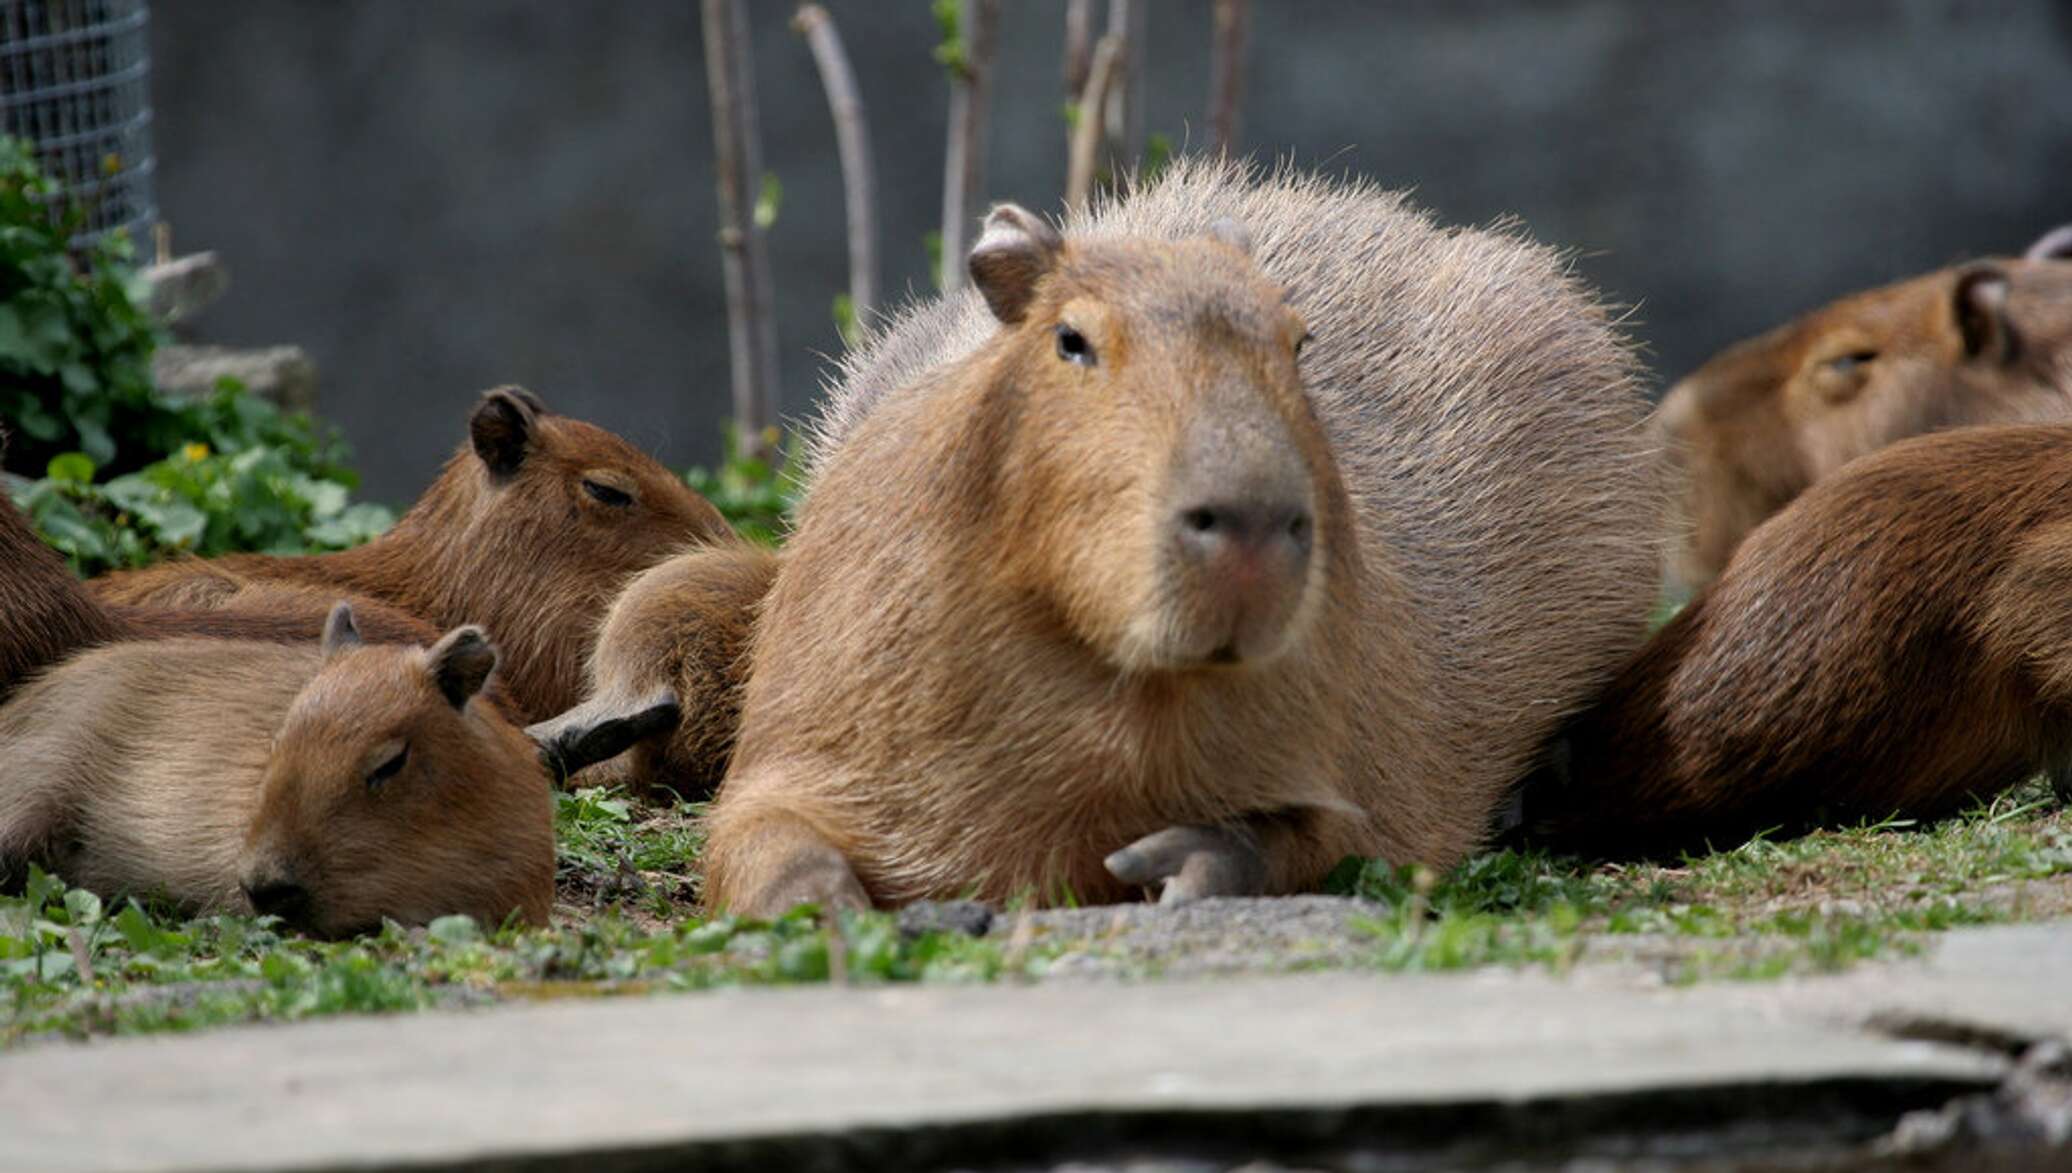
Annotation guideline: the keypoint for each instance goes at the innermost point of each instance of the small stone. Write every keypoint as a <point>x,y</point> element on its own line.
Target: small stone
<point>973,918</point>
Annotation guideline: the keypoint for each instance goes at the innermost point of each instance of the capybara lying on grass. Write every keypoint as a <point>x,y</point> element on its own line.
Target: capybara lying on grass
<point>1988,342</point>
<point>1896,640</point>
<point>1097,588</point>
<point>530,531</point>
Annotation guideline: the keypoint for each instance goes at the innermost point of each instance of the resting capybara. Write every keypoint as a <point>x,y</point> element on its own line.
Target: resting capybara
<point>1898,639</point>
<point>331,784</point>
<point>1094,589</point>
<point>665,675</point>
<point>1989,342</point>
<point>529,531</point>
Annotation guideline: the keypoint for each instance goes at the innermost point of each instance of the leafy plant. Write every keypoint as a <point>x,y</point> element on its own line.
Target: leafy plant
<point>754,494</point>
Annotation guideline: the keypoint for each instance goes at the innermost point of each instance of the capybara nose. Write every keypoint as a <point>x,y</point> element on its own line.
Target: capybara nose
<point>278,896</point>
<point>1247,540</point>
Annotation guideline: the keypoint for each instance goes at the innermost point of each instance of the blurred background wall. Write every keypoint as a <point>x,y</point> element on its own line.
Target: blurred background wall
<point>436,198</point>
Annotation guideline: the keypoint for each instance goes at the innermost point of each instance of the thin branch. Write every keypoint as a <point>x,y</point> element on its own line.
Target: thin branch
<point>1227,72</point>
<point>738,154</point>
<point>1087,135</point>
<point>1126,93</point>
<point>1079,46</point>
<point>964,165</point>
<point>853,140</point>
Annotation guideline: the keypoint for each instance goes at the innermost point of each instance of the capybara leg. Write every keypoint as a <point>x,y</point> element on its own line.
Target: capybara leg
<point>766,866</point>
<point>2060,777</point>
<point>602,728</point>
<point>26,828</point>
<point>1193,862</point>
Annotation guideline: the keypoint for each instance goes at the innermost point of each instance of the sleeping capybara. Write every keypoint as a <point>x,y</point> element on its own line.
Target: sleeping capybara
<point>665,675</point>
<point>1897,639</point>
<point>1988,342</point>
<point>529,531</point>
<point>332,784</point>
<point>1096,589</point>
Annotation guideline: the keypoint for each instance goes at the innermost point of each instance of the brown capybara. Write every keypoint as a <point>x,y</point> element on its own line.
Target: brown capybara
<point>1896,640</point>
<point>529,531</point>
<point>665,676</point>
<point>1989,342</point>
<point>331,784</point>
<point>1096,589</point>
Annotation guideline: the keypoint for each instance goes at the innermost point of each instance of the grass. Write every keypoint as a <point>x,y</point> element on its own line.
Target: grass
<point>73,967</point>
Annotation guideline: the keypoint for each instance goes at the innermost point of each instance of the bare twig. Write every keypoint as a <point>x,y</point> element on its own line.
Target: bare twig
<point>853,140</point>
<point>738,153</point>
<point>1125,108</point>
<point>1087,135</point>
<point>1227,72</point>
<point>964,167</point>
<point>1079,46</point>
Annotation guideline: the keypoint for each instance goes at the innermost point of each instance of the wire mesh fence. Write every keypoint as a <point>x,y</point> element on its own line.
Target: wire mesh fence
<point>73,83</point>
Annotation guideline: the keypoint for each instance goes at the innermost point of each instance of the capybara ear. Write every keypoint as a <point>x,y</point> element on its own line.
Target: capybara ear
<point>460,664</point>
<point>2051,246</point>
<point>1981,313</point>
<point>341,631</point>
<point>599,729</point>
<point>1230,232</point>
<point>1014,252</point>
<point>502,427</point>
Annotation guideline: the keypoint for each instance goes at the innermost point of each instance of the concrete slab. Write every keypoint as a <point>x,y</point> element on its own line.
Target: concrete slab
<point>701,1079</point>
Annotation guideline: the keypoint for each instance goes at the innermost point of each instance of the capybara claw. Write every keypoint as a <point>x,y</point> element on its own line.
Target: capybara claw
<point>1193,862</point>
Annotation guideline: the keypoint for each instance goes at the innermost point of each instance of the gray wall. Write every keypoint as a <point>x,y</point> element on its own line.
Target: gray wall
<point>438,197</point>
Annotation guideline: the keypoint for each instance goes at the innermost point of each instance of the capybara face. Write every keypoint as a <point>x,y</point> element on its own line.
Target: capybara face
<point>1164,470</point>
<point>1989,342</point>
<point>395,791</point>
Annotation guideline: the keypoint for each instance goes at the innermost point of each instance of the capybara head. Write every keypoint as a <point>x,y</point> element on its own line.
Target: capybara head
<point>1989,342</point>
<point>579,508</point>
<point>395,790</point>
<point>1162,473</point>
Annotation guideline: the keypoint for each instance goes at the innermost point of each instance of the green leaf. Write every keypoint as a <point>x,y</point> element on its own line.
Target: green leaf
<point>72,468</point>
<point>454,930</point>
<point>768,201</point>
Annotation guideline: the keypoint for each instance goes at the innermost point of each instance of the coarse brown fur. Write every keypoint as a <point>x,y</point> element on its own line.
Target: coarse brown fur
<point>678,635</point>
<point>1989,342</point>
<point>223,773</point>
<point>986,664</point>
<point>528,531</point>
<point>1898,639</point>
<point>45,613</point>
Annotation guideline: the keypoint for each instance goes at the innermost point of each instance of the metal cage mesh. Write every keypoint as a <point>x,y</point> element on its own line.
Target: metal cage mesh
<point>73,83</point>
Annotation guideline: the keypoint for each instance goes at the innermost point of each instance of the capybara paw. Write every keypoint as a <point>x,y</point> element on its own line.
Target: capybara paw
<point>813,875</point>
<point>1192,862</point>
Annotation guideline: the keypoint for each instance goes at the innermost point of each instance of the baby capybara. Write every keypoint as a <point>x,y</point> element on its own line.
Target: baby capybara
<point>1897,640</point>
<point>529,531</point>
<point>332,784</point>
<point>1988,342</point>
<point>1098,587</point>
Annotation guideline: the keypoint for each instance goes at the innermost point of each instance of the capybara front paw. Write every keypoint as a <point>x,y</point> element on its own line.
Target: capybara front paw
<point>812,875</point>
<point>1192,862</point>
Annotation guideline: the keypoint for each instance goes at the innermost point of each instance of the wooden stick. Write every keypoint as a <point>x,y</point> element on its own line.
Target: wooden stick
<point>1079,46</point>
<point>1227,72</point>
<point>738,155</point>
<point>853,141</point>
<point>964,165</point>
<point>1087,136</point>
<point>1126,92</point>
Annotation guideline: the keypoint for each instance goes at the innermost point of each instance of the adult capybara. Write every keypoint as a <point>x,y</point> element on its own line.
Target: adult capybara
<point>1095,588</point>
<point>1989,342</point>
<point>1898,639</point>
<point>529,531</point>
<point>331,784</point>
<point>665,675</point>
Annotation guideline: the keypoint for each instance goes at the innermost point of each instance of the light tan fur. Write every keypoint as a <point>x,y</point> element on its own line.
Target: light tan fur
<point>971,675</point>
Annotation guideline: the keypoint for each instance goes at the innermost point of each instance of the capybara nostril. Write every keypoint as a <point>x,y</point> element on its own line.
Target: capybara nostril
<point>1247,534</point>
<point>278,896</point>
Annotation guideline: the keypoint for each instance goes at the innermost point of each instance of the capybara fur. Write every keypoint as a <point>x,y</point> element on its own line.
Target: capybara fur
<point>332,784</point>
<point>665,697</point>
<point>1095,589</point>
<point>1988,342</point>
<point>529,531</point>
<point>1896,640</point>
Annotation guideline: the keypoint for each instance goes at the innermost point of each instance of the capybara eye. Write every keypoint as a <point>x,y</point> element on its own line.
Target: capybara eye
<point>1847,364</point>
<point>1074,348</point>
<point>604,494</point>
<point>1302,342</point>
<point>388,769</point>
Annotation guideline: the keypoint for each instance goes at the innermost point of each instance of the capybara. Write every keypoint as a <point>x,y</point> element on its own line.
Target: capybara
<point>530,530</point>
<point>1988,342</point>
<point>665,675</point>
<point>332,784</point>
<point>1896,640</point>
<point>1096,590</point>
